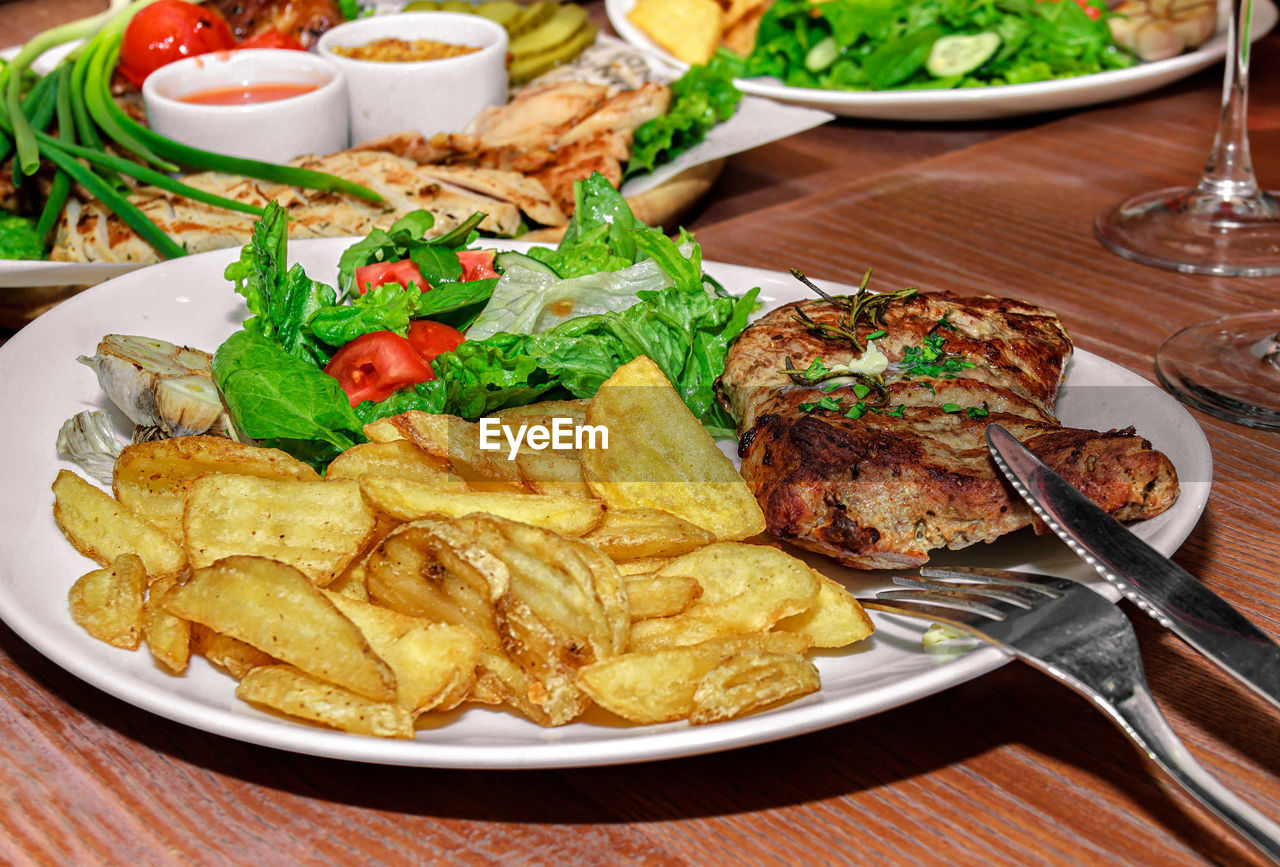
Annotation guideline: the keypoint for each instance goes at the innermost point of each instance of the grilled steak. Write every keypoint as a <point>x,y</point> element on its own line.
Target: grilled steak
<point>876,472</point>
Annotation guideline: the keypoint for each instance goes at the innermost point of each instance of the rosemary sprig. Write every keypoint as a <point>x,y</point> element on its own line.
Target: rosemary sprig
<point>862,306</point>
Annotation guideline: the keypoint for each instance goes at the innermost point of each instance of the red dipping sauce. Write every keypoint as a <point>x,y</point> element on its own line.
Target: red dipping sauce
<point>247,94</point>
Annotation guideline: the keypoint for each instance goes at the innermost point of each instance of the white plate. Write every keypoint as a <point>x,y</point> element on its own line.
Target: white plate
<point>187,301</point>
<point>977,103</point>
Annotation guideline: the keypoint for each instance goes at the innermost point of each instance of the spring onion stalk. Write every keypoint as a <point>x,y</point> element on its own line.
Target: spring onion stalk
<point>196,158</point>
<point>78,92</point>
<point>124,209</point>
<point>97,94</point>
<point>149,175</point>
<point>61,187</point>
<point>23,136</point>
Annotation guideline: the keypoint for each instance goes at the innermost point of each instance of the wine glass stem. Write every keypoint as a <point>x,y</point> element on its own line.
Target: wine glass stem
<point>1228,174</point>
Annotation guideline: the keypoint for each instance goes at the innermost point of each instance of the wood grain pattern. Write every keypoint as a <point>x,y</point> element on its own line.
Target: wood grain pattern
<point>1007,769</point>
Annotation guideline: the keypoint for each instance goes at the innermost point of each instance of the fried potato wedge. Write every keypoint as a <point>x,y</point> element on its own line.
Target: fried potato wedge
<point>458,440</point>
<point>656,686</point>
<point>434,663</point>
<point>102,529</point>
<point>152,477</point>
<point>400,459</point>
<point>275,608</point>
<point>544,412</point>
<point>408,500</point>
<point>652,595</point>
<point>230,654</point>
<point>107,603</point>
<point>631,534</point>
<point>745,588</point>
<point>318,527</point>
<point>167,637</point>
<point>553,473</point>
<point>298,694</point>
<point>382,431</point>
<point>660,457</point>
<point>835,619</point>
<point>751,680</point>
<point>642,566</point>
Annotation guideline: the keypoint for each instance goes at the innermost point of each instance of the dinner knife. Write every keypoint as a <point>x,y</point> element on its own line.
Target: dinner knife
<point>1174,597</point>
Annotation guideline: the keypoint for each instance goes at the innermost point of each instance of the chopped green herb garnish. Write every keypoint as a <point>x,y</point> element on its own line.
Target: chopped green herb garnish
<point>861,389</point>
<point>831,403</point>
<point>816,369</point>
<point>862,305</point>
<point>977,412</point>
<point>951,407</point>
<point>930,359</point>
<point>876,335</point>
<point>856,410</point>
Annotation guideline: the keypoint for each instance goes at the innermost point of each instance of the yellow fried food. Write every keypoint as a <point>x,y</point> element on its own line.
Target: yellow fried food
<point>275,608</point>
<point>107,603</point>
<point>660,457</point>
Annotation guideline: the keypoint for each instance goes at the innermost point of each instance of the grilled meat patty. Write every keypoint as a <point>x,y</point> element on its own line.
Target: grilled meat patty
<point>878,477</point>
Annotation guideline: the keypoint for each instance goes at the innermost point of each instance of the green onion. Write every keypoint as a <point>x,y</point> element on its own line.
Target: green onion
<point>123,208</point>
<point>61,187</point>
<point>78,93</point>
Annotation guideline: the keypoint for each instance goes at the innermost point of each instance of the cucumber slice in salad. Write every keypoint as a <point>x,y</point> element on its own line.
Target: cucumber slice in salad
<point>822,55</point>
<point>511,258</point>
<point>961,54</point>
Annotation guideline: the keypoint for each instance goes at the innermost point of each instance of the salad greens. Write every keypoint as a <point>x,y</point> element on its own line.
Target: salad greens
<point>701,98</point>
<point>271,371</point>
<point>889,45</point>
<point>19,238</point>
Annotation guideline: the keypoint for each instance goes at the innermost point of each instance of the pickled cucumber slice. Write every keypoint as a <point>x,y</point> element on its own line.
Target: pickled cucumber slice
<point>566,22</point>
<point>501,11</point>
<point>961,54</point>
<point>531,16</point>
<point>532,65</point>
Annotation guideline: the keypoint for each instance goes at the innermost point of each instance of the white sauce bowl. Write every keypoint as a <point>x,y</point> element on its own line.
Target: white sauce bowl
<point>314,122</point>
<point>428,96</point>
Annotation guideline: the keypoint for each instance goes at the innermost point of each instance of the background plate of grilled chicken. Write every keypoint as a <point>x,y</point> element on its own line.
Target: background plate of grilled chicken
<point>187,301</point>
<point>979,103</point>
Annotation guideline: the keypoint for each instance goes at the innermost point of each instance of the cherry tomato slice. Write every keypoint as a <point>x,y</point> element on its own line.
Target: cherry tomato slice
<point>476,264</point>
<point>170,30</point>
<point>403,272</point>
<point>376,364</point>
<point>272,38</point>
<point>429,339</point>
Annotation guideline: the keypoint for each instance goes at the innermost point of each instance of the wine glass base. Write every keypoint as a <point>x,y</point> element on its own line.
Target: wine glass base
<point>1228,368</point>
<point>1195,232</point>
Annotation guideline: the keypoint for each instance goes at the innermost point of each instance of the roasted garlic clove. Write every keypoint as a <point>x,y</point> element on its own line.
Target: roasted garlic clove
<point>1159,29</point>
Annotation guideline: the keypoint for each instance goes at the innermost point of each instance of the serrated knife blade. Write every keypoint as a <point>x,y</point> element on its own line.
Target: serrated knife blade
<point>1174,597</point>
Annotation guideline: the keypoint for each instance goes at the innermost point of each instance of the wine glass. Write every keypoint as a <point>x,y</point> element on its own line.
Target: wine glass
<point>1225,225</point>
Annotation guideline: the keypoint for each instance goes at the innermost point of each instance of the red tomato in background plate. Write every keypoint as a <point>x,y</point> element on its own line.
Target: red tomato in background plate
<point>272,38</point>
<point>376,364</point>
<point>476,264</point>
<point>404,273</point>
<point>170,30</point>
<point>429,339</point>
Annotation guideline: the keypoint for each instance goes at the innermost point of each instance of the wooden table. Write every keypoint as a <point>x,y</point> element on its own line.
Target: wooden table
<point>1010,768</point>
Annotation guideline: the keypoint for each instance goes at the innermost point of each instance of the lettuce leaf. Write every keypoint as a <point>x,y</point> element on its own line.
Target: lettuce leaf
<point>703,97</point>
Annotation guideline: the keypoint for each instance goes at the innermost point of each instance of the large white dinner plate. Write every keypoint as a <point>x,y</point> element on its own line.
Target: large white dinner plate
<point>187,301</point>
<point>977,103</point>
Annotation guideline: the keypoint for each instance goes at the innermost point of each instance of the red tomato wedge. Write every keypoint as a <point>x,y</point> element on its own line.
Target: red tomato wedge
<point>170,30</point>
<point>429,339</point>
<point>403,272</point>
<point>376,364</point>
<point>476,264</point>
<point>272,38</point>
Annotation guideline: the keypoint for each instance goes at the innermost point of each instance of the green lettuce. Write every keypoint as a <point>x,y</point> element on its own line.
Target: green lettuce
<point>271,372</point>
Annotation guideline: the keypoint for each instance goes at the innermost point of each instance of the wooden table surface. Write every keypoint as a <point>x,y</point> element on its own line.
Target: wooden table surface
<point>1010,768</point>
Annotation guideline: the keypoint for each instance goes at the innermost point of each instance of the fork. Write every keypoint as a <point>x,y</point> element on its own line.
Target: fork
<point>1080,638</point>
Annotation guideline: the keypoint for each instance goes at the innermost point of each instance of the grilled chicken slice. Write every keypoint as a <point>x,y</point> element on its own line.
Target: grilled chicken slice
<point>909,472</point>
<point>90,232</point>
